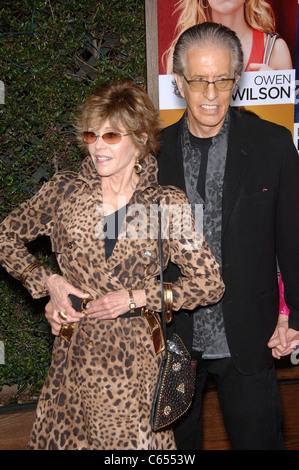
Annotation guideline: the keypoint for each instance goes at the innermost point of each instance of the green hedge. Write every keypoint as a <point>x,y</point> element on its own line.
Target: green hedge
<point>53,54</point>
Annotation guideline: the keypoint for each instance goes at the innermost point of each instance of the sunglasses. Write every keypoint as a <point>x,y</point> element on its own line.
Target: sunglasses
<point>110,138</point>
<point>223,84</point>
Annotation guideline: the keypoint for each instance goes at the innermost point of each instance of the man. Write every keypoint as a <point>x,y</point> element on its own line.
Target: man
<point>245,172</point>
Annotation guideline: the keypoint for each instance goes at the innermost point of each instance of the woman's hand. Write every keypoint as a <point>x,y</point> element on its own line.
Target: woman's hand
<point>59,290</point>
<point>54,323</point>
<point>114,304</point>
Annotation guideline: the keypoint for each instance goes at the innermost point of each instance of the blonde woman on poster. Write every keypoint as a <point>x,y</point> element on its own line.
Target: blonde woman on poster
<point>252,20</point>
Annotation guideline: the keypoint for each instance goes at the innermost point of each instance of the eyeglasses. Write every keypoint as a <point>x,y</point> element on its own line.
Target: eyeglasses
<point>110,138</point>
<point>223,84</point>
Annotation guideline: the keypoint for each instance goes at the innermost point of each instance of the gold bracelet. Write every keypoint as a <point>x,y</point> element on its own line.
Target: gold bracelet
<point>168,300</point>
<point>132,304</point>
<point>28,270</point>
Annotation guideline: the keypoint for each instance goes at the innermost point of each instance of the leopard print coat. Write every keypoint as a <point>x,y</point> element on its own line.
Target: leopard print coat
<point>99,389</point>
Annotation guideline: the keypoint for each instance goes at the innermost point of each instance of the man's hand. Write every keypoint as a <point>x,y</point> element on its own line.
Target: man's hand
<point>284,339</point>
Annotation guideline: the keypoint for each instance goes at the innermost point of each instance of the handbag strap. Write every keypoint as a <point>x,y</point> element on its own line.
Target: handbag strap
<point>271,38</point>
<point>163,318</point>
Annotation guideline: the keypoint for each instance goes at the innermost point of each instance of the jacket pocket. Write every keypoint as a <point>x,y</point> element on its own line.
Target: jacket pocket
<point>263,196</point>
<point>60,240</point>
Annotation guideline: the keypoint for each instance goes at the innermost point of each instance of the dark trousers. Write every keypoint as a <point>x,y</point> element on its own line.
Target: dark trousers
<point>251,407</point>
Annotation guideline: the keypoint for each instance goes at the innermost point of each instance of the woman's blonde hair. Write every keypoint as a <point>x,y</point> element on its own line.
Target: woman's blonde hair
<point>257,13</point>
<point>128,108</point>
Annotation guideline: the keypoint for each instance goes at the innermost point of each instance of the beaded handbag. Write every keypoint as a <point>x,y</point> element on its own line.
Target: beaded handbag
<point>176,381</point>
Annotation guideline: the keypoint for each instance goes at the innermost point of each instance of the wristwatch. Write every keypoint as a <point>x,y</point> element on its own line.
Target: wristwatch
<point>132,304</point>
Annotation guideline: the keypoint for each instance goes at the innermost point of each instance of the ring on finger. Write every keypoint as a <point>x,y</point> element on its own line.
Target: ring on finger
<point>62,315</point>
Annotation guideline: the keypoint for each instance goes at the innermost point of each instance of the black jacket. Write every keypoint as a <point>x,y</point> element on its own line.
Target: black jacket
<point>260,226</point>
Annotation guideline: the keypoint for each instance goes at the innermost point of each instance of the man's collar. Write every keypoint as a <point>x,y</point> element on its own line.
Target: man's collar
<point>224,128</point>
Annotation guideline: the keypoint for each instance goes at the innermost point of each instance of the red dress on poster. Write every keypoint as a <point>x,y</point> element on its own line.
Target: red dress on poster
<point>257,49</point>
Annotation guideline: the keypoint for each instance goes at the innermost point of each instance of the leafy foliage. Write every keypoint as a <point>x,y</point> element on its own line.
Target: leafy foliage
<point>26,337</point>
<point>53,56</point>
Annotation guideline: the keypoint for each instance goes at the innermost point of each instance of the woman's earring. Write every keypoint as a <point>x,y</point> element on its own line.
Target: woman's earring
<point>137,167</point>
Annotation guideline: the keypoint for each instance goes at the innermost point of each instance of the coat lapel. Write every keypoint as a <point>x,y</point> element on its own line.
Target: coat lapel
<point>146,193</point>
<point>171,168</point>
<point>236,166</point>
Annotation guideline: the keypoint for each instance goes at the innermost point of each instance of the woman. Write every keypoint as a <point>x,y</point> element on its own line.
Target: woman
<point>252,20</point>
<point>102,223</point>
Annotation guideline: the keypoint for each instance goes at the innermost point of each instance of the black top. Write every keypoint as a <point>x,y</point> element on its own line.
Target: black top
<point>203,144</point>
<point>112,225</point>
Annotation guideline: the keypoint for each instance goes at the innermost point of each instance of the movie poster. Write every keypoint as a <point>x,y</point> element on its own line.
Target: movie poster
<point>268,83</point>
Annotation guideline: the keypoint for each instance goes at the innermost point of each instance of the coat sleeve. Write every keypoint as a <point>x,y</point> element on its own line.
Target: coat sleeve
<point>30,220</point>
<point>287,227</point>
<point>200,282</point>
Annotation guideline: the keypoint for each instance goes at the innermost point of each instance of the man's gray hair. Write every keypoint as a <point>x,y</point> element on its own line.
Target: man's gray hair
<point>203,34</point>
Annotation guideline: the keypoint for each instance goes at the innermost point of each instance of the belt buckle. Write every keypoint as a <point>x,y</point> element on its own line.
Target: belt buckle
<point>66,331</point>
